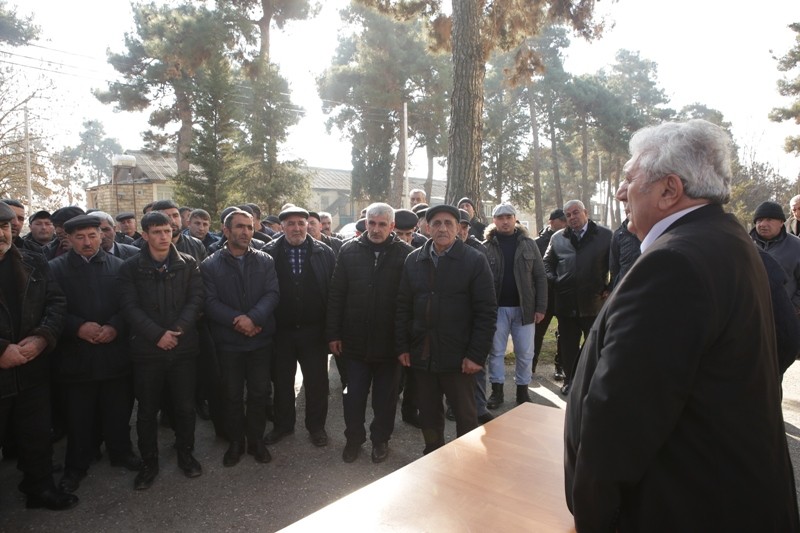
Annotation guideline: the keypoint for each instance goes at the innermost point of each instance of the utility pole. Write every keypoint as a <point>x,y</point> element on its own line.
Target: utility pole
<point>28,162</point>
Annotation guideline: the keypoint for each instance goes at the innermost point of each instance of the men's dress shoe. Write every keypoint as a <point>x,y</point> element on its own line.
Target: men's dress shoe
<point>412,418</point>
<point>276,435</point>
<point>482,419</point>
<point>203,410</point>
<point>380,451</point>
<point>234,454</point>
<point>559,375</point>
<point>52,499</point>
<point>351,451</point>
<point>259,451</point>
<point>565,388</point>
<point>147,475</point>
<point>319,438</point>
<point>189,465</point>
<point>128,462</point>
<point>71,480</point>
<point>449,414</point>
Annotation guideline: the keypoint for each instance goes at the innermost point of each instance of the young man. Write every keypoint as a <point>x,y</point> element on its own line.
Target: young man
<point>161,293</point>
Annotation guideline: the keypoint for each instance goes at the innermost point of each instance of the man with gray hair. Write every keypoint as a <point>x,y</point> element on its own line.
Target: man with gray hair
<point>576,262</point>
<point>792,226</point>
<point>108,234</point>
<point>674,419</point>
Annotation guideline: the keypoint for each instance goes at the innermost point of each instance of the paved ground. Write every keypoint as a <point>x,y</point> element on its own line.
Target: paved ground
<point>300,479</point>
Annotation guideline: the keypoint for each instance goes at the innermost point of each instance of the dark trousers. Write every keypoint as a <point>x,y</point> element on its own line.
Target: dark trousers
<point>383,377</point>
<point>238,368</point>
<point>409,389</point>
<point>307,347</point>
<point>538,337</point>
<point>29,412</point>
<point>97,407</point>
<point>150,378</point>
<point>459,389</point>
<point>570,330</point>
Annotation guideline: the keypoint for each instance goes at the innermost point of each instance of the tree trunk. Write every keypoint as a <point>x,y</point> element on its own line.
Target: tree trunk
<point>431,153</point>
<point>466,110</point>
<point>537,178</point>
<point>398,174</point>
<point>551,121</point>
<point>586,194</point>
<point>185,133</point>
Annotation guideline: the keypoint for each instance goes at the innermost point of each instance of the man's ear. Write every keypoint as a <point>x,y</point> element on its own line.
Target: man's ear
<point>672,191</point>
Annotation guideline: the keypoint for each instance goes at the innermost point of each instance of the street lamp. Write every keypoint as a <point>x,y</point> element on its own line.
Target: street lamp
<point>119,162</point>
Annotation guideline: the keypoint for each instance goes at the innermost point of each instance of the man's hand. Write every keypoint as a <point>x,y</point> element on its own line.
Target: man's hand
<point>335,347</point>
<point>244,325</point>
<point>107,334</point>
<point>468,366</point>
<point>12,357</point>
<point>89,332</point>
<point>169,340</point>
<point>538,317</point>
<point>405,359</point>
<point>31,347</point>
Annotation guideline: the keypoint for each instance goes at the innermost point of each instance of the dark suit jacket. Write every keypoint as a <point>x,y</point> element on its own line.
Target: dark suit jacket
<point>674,418</point>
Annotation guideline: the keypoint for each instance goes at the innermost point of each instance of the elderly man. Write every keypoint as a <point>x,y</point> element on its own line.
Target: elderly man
<point>556,221</point>
<point>674,419</point>
<point>521,287</point>
<point>241,297</point>
<point>360,329</point>
<point>446,315</point>
<point>30,325</point>
<point>576,262</point>
<point>126,222</point>
<point>93,365</point>
<point>771,236</point>
<point>304,268</point>
<point>109,243</point>
<point>792,225</point>
<point>416,196</point>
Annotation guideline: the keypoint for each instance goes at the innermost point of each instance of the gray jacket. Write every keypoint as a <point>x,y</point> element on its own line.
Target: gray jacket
<point>785,249</point>
<point>529,273</point>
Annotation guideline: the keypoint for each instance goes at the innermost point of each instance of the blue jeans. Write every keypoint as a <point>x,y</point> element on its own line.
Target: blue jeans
<point>509,321</point>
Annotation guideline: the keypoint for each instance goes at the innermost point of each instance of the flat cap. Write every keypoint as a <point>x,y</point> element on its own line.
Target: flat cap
<point>125,215</point>
<point>39,214</point>
<point>504,209</point>
<point>315,215</point>
<point>465,218</point>
<point>557,214</point>
<point>361,225</point>
<point>419,207</point>
<point>442,208</point>
<point>272,219</point>
<point>405,219</point>
<point>294,210</point>
<point>63,214</point>
<point>80,222</point>
<point>6,213</point>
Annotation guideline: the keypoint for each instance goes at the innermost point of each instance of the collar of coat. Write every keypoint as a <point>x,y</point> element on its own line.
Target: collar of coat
<point>456,251</point>
<point>491,231</point>
<point>175,258</point>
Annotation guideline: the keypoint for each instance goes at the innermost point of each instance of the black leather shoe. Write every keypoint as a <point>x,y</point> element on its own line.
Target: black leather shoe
<point>413,419</point>
<point>189,465</point>
<point>319,438</point>
<point>497,397</point>
<point>147,475</point>
<point>128,462</point>
<point>380,451</point>
<point>565,388</point>
<point>559,375</point>
<point>276,435</point>
<point>350,453</point>
<point>202,409</point>
<point>234,454</point>
<point>259,452</point>
<point>488,417</point>
<point>52,499</point>
<point>71,480</point>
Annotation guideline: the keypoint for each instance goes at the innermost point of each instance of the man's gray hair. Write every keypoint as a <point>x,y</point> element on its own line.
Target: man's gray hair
<point>325,214</point>
<point>574,202</point>
<point>794,201</point>
<point>380,209</point>
<point>412,191</point>
<point>697,151</point>
<point>102,215</point>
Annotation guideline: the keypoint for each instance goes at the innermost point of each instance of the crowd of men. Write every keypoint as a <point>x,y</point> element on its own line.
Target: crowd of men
<point>102,314</point>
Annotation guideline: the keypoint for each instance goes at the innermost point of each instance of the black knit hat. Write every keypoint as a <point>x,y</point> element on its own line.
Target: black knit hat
<point>769,210</point>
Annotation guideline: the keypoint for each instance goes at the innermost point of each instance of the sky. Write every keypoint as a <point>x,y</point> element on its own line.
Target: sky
<point>713,52</point>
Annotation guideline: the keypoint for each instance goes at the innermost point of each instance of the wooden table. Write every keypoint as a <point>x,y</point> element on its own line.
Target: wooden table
<point>504,476</point>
